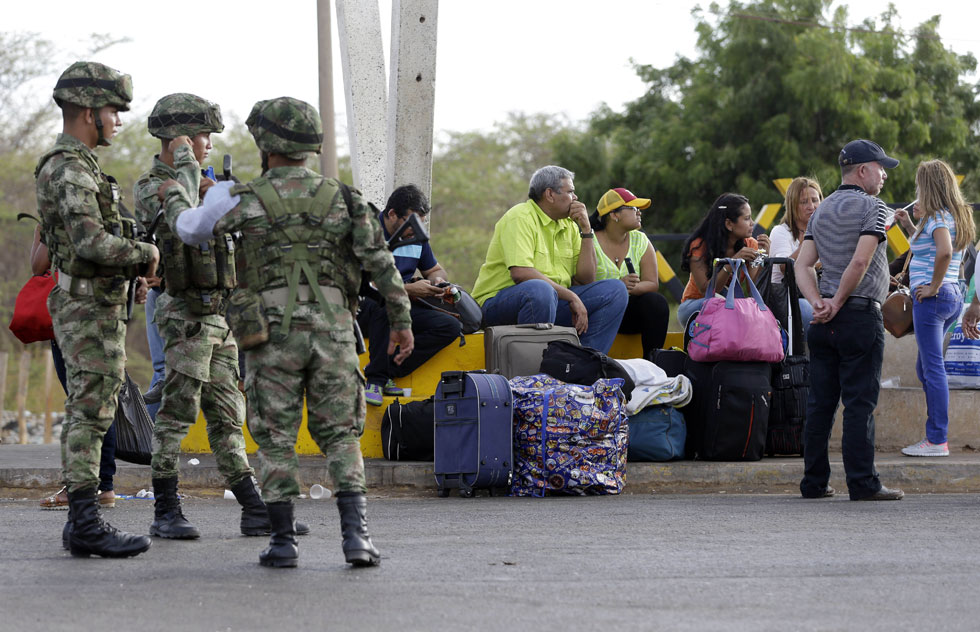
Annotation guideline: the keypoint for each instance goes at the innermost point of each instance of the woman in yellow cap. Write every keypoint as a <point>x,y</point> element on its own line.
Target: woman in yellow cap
<point>624,252</point>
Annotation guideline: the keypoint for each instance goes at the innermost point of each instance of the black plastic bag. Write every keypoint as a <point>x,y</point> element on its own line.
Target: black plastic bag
<point>134,427</point>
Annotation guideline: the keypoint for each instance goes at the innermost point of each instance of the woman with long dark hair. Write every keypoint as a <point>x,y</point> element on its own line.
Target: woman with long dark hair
<point>725,232</point>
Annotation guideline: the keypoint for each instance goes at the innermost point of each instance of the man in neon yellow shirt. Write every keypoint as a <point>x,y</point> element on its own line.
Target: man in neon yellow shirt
<point>537,271</point>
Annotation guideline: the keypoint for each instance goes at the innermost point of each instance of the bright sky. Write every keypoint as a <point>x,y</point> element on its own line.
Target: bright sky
<point>494,57</point>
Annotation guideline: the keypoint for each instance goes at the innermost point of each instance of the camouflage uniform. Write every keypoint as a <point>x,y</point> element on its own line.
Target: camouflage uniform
<point>88,313</point>
<point>96,255</point>
<point>311,349</point>
<point>201,354</point>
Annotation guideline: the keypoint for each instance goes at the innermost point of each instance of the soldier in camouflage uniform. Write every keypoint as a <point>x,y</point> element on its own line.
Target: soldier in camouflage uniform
<point>97,258</point>
<point>305,239</point>
<point>201,354</point>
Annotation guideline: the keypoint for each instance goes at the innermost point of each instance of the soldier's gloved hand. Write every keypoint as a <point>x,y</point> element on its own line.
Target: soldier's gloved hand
<point>196,226</point>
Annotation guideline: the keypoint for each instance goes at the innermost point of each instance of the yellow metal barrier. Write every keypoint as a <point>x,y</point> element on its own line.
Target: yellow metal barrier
<point>423,382</point>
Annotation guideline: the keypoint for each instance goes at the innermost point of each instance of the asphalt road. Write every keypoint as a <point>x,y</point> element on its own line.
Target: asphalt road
<point>708,562</point>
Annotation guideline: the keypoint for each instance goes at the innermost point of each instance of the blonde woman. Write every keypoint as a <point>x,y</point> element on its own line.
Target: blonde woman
<point>945,229</point>
<point>802,198</point>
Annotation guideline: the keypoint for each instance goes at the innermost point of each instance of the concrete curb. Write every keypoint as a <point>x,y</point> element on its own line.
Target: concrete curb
<point>37,467</point>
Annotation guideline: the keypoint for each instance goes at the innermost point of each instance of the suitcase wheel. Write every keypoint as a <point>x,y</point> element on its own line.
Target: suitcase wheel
<point>443,492</point>
<point>466,492</point>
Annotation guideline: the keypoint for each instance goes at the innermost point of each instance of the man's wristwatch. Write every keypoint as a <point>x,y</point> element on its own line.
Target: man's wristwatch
<point>587,235</point>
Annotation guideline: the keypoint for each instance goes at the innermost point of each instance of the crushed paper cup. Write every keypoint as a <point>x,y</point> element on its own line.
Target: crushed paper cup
<point>318,492</point>
<point>193,462</point>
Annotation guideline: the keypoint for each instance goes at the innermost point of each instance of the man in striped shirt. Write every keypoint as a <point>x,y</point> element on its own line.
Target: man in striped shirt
<point>847,339</point>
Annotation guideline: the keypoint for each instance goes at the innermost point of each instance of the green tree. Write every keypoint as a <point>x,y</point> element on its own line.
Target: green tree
<point>778,87</point>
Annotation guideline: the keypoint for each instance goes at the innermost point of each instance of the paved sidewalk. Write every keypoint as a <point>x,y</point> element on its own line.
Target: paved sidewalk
<point>34,469</point>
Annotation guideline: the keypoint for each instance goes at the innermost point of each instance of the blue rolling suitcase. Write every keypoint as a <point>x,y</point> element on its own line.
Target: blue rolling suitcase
<point>474,444</point>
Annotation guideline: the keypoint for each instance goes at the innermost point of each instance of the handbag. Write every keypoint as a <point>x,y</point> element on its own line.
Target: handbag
<point>31,321</point>
<point>575,364</point>
<point>462,307</point>
<point>735,329</point>
<point>896,311</point>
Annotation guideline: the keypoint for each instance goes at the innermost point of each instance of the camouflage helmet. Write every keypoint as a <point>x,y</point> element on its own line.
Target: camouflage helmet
<point>184,114</point>
<point>93,85</point>
<point>286,126</point>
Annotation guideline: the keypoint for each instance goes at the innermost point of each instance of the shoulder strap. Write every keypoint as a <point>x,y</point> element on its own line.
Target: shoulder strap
<point>348,199</point>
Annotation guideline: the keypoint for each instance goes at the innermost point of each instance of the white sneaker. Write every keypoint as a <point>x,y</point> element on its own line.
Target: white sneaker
<point>924,448</point>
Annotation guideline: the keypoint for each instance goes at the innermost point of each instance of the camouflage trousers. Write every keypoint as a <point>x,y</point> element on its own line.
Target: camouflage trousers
<point>322,365</point>
<point>202,374</point>
<point>93,341</point>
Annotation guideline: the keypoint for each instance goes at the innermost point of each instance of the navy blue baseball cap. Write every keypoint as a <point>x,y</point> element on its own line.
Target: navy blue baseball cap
<point>859,151</point>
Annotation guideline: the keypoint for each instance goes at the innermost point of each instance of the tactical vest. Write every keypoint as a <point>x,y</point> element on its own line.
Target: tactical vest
<point>201,275</point>
<point>299,249</point>
<point>109,282</point>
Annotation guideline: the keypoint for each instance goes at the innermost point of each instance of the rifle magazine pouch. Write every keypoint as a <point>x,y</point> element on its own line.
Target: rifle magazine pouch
<point>246,318</point>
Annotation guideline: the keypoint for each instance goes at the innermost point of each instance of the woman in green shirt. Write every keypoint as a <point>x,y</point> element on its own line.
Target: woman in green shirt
<point>624,252</point>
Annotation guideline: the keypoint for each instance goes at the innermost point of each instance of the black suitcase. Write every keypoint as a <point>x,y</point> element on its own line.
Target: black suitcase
<point>474,439</point>
<point>696,410</point>
<point>670,360</point>
<point>791,377</point>
<point>736,411</point>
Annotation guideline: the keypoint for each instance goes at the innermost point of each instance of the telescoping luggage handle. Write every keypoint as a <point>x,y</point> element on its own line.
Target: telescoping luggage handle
<point>453,382</point>
<point>737,266</point>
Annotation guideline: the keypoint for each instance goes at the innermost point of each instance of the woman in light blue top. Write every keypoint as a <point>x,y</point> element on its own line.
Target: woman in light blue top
<point>624,252</point>
<point>945,229</point>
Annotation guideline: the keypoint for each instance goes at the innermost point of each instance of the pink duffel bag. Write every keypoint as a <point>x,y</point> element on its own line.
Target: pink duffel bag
<point>735,329</point>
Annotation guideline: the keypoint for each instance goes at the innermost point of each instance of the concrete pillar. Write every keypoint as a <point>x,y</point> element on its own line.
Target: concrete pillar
<point>362,57</point>
<point>411,93</point>
<point>328,156</point>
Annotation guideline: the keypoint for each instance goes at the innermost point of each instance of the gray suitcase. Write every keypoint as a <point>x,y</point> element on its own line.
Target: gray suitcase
<point>513,350</point>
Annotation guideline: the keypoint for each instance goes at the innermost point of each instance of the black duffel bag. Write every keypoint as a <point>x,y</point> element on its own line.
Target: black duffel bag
<point>575,364</point>
<point>407,431</point>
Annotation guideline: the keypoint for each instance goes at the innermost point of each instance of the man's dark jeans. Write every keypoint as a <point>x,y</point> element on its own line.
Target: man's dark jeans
<point>845,366</point>
<point>432,331</point>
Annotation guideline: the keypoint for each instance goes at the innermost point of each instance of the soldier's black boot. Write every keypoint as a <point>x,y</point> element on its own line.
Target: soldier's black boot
<point>358,548</point>
<point>90,535</point>
<point>282,551</point>
<point>168,518</point>
<point>255,518</point>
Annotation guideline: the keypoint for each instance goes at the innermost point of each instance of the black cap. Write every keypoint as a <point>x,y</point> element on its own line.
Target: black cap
<point>859,151</point>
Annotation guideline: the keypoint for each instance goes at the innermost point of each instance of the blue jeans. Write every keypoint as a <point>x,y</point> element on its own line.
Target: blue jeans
<point>155,343</point>
<point>535,301</point>
<point>688,307</point>
<point>845,367</point>
<point>806,314</point>
<point>931,318</point>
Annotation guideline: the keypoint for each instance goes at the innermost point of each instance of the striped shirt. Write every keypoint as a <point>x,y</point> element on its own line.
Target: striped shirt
<point>924,251</point>
<point>835,228</point>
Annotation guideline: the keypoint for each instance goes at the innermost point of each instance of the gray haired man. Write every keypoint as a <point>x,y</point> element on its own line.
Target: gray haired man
<point>537,270</point>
